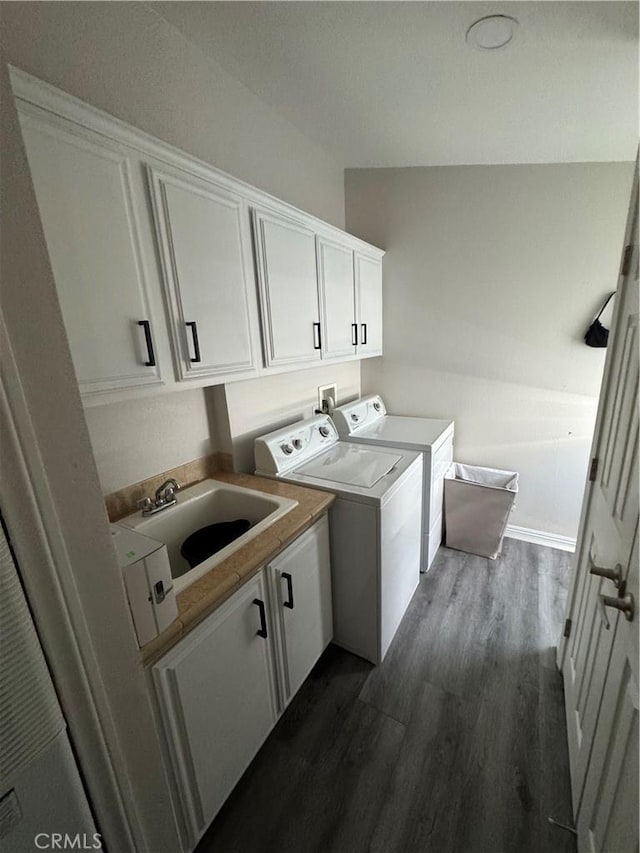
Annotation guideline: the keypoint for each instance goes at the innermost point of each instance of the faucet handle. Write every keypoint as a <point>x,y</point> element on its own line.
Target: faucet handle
<point>144,504</point>
<point>169,493</point>
<point>165,492</point>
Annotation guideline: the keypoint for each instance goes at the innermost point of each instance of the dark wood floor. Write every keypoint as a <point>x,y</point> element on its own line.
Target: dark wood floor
<point>456,743</point>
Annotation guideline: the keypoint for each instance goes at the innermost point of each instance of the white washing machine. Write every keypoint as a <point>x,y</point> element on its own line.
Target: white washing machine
<point>374,524</point>
<point>366,421</point>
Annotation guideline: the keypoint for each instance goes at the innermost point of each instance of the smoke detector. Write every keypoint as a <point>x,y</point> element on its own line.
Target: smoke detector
<point>492,32</point>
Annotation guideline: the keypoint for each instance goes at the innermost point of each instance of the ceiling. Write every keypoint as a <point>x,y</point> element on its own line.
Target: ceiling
<point>395,83</point>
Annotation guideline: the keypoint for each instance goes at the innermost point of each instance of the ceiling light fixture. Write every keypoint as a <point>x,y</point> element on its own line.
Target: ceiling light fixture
<point>492,32</point>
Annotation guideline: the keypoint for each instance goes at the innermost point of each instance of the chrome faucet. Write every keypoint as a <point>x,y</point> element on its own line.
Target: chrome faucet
<point>166,492</point>
<point>164,498</point>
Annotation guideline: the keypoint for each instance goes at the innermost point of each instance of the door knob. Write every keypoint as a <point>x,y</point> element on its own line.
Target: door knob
<point>624,603</point>
<point>614,575</point>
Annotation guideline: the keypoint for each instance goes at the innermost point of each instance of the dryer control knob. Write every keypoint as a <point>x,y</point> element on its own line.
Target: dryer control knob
<point>324,431</point>
<point>297,443</point>
<point>287,448</point>
<point>377,406</point>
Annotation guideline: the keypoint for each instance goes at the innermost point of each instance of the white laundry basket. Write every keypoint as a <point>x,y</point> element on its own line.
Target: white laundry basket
<point>477,503</point>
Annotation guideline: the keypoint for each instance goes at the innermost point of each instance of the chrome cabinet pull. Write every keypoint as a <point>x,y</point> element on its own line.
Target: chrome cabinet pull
<point>363,333</point>
<point>354,334</point>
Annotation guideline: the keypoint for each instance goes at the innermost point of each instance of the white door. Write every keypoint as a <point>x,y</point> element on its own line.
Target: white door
<point>600,663</point>
<point>84,188</point>
<point>208,274</point>
<point>608,814</point>
<point>368,275</point>
<point>337,299</point>
<point>217,692</point>
<point>300,580</point>
<point>287,276</point>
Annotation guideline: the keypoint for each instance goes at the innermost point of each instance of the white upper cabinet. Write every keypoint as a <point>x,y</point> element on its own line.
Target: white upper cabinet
<point>159,279</point>
<point>337,299</point>
<point>205,250</point>
<point>368,274</point>
<point>85,188</point>
<point>286,264</point>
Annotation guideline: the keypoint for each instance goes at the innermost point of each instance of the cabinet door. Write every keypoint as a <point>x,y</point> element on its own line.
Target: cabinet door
<point>207,271</point>
<point>337,299</point>
<point>300,580</point>
<point>217,695</point>
<point>286,261</point>
<point>368,272</point>
<point>83,185</point>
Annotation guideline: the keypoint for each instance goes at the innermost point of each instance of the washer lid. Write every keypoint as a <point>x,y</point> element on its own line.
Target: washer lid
<point>405,431</point>
<point>351,465</point>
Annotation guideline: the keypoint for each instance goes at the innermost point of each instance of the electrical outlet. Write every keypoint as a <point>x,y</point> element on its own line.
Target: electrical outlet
<point>324,393</point>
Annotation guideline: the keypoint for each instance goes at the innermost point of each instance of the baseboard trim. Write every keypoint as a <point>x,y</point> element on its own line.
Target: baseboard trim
<point>539,537</point>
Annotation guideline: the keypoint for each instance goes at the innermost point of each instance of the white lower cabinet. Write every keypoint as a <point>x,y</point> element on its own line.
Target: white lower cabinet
<point>300,586</point>
<point>221,689</point>
<point>218,698</point>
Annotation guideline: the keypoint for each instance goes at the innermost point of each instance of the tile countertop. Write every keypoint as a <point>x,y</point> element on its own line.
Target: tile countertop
<point>203,596</point>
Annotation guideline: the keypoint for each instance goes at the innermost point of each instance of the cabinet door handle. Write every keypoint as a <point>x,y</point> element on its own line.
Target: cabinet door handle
<point>151,356</point>
<point>354,334</point>
<point>196,343</point>
<point>289,581</point>
<point>262,630</point>
<point>317,340</point>
<point>363,333</point>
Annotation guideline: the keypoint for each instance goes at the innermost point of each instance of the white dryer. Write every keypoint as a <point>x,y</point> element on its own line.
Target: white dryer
<point>366,421</point>
<point>374,524</point>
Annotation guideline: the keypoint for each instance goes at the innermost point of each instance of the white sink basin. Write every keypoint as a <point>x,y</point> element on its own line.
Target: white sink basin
<point>206,503</point>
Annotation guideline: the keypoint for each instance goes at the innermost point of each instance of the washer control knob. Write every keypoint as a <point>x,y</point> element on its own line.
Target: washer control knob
<point>377,406</point>
<point>287,448</point>
<point>297,443</point>
<point>324,430</point>
<point>354,418</point>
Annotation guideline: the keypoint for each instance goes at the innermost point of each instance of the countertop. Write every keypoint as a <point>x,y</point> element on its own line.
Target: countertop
<point>203,596</point>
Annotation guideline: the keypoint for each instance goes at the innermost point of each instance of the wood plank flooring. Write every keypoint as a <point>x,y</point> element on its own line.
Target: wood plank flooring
<point>455,744</point>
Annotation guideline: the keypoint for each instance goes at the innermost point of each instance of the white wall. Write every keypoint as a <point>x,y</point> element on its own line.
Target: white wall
<point>492,274</point>
<point>127,60</point>
<point>137,439</point>
<point>258,406</point>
